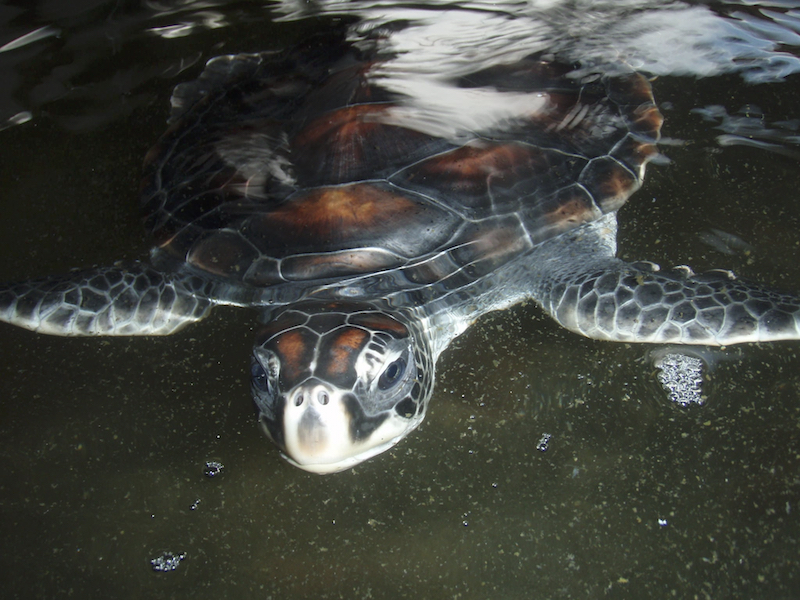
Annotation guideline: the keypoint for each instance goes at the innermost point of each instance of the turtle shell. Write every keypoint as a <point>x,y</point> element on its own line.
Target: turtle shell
<point>321,166</point>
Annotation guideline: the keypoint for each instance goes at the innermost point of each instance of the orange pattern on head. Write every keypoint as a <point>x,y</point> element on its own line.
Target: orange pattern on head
<point>347,342</point>
<point>292,349</point>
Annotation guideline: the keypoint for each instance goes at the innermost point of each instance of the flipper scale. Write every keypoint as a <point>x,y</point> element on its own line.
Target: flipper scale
<point>130,300</point>
<point>624,303</point>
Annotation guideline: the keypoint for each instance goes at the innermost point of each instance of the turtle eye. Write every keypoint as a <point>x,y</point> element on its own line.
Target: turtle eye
<point>258,376</point>
<point>392,374</point>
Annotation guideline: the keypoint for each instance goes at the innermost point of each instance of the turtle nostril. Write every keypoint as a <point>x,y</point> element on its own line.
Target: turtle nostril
<point>323,398</point>
<point>298,400</point>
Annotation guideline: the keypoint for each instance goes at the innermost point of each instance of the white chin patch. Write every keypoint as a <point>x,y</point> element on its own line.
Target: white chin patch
<point>317,438</point>
<point>344,463</point>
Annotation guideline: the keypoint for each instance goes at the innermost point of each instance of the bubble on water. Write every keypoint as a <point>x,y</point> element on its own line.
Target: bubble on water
<point>681,376</point>
<point>213,469</point>
<point>542,445</point>
<point>168,561</point>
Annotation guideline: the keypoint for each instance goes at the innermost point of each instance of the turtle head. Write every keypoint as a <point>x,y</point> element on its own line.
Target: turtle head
<point>338,383</point>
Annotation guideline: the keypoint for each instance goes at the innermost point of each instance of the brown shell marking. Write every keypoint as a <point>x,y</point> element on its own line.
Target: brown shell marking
<point>469,166</point>
<point>314,216</point>
<point>346,127</point>
<point>471,171</point>
<point>566,209</point>
<point>647,120</point>
<point>572,210</point>
<point>363,142</point>
<point>492,244</point>
<point>350,130</point>
<point>609,183</point>
<point>338,230</point>
<point>343,212</point>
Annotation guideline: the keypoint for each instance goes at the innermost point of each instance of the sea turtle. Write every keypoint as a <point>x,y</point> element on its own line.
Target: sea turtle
<point>371,216</point>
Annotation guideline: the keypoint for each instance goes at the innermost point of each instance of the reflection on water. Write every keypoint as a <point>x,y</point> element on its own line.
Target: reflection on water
<point>105,442</point>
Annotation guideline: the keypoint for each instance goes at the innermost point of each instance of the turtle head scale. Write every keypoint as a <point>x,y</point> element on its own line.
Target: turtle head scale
<point>338,383</point>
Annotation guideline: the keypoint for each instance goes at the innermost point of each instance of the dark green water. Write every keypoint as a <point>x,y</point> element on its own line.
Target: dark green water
<point>103,442</point>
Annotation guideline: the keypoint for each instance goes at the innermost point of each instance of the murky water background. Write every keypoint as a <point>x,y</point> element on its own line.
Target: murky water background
<point>103,442</point>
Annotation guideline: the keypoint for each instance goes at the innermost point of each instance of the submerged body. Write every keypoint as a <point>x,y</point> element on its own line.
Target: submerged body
<point>372,218</point>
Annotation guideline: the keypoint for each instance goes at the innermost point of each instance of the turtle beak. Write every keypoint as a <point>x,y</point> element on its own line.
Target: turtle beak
<point>320,430</point>
<point>314,421</point>
<point>316,426</point>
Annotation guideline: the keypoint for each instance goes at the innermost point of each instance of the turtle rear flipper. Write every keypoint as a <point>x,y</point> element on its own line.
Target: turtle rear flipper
<point>131,300</point>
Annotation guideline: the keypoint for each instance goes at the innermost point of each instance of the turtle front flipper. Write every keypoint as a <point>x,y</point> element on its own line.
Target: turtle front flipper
<point>638,303</point>
<point>131,300</point>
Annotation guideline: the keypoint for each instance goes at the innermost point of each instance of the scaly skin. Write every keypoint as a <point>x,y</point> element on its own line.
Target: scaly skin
<point>628,303</point>
<point>615,301</point>
<point>131,300</point>
<point>583,286</point>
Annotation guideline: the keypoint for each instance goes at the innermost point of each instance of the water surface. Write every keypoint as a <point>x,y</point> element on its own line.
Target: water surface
<point>103,442</point>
